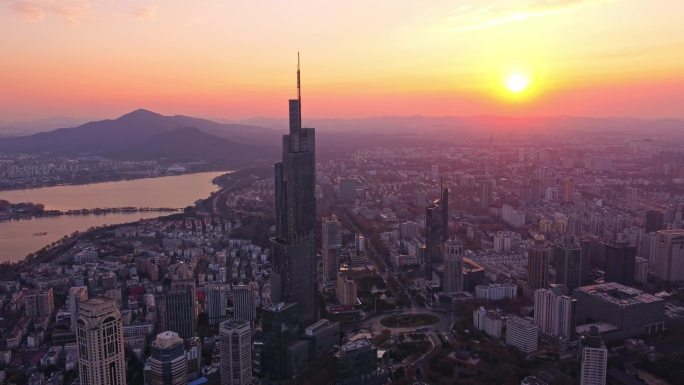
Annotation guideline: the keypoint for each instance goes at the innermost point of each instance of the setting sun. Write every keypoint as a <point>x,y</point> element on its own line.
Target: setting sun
<point>517,83</point>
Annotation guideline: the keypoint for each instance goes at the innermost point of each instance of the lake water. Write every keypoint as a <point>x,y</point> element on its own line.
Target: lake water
<point>17,238</point>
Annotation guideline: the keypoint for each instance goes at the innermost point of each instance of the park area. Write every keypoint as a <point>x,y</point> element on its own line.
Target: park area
<point>409,320</point>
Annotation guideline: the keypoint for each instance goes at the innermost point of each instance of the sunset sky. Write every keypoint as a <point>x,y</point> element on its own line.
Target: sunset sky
<point>237,59</point>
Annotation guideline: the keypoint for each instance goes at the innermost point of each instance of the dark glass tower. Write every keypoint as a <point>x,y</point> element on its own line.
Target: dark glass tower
<point>538,264</point>
<point>620,261</point>
<point>181,309</point>
<point>572,267</point>
<point>436,230</point>
<point>293,273</point>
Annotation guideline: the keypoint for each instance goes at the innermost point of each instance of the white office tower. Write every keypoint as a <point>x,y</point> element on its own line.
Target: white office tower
<point>641,270</point>
<point>670,255</point>
<point>99,334</point>
<point>235,342</point>
<point>77,295</point>
<point>331,244</point>
<point>632,198</point>
<point>360,243</point>
<point>453,266</point>
<point>244,303</point>
<point>554,313</point>
<point>167,362</point>
<point>522,334</point>
<point>594,361</point>
<point>217,303</point>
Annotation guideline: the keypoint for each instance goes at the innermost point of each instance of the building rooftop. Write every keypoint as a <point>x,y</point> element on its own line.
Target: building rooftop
<point>361,344</point>
<point>319,325</point>
<point>618,294</point>
<point>166,340</point>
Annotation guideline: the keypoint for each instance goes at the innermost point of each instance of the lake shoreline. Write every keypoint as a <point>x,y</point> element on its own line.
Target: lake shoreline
<point>95,211</point>
<point>18,239</point>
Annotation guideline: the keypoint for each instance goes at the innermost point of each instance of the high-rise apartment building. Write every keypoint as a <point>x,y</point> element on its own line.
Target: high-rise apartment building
<point>293,273</point>
<point>522,334</point>
<point>167,362</point>
<point>436,230</point>
<point>669,262</point>
<point>331,243</point>
<point>554,313</point>
<point>452,280</point>
<point>217,302</point>
<point>99,334</point>
<point>235,343</point>
<point>632,198</point>
<point>538,264</point>
<point>503,241</point>
<point>594,361</point>
<point>346,289</point>
<point>487,193</point>
<point>244,303</point>
<point>77,295</point>
<point>568,190</point>
<point>39,303</point>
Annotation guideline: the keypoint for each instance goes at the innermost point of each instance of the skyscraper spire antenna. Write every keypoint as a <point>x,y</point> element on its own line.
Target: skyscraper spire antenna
<point>299,89</point>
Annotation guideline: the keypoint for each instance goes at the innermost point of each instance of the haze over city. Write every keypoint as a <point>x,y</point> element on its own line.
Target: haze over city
<point>341,193</point>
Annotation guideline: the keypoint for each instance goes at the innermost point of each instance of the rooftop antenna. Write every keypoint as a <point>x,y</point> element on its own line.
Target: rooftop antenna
<point>299,92</point>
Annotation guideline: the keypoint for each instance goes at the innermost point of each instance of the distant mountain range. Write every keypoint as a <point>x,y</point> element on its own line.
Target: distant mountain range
<point>145,135</point>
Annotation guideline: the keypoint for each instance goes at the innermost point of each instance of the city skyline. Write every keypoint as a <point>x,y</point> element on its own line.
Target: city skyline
<point>221,60</point>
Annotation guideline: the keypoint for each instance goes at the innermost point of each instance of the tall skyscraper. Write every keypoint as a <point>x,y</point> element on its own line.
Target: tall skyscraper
<point>620,259</point>
<point>293,273</point>
<point>235,344</point>
<point>632,198</point>
<point>538,264</point>
<point>244,303</point>
<point>487,193</point>
<point>331,244</point>
<point>568,190</point>
<point>669,264</point>
<point>453,267</point>
<point>99,334</point>
<point>181,309</point>
<point>594,360</point>
<point>167,362</point>
<point>572,266</point>
<point>217,302</point>
<point>77,295</point>
<point>436,230</point>
<point>655,221</point>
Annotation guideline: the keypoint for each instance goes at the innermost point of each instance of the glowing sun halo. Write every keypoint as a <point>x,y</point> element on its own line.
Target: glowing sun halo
<point>517,83</point>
